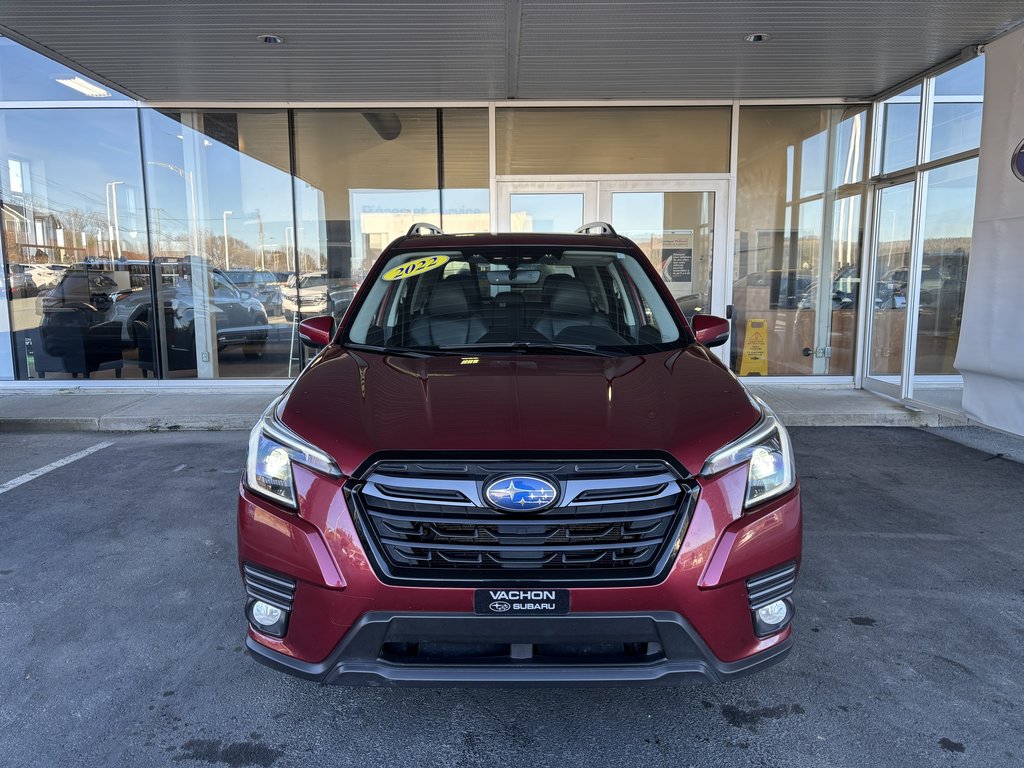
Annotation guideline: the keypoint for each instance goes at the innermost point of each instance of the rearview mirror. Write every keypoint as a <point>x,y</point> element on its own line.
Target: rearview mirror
<point>317,332</point>
<point>710,331</point>
<point>519,277</point>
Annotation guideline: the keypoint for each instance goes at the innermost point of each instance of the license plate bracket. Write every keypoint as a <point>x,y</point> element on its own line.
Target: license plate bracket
<point>521,601</point>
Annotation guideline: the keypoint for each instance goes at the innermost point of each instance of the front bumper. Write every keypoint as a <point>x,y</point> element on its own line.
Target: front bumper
<point>675,653</point>
<point>699,615</point>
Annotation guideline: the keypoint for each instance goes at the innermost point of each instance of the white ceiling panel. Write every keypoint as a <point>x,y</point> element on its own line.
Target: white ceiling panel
<point>206,50</point>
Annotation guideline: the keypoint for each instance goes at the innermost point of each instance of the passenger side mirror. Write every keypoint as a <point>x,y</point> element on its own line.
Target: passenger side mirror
<point>317,332</point>
<point>710,331</point>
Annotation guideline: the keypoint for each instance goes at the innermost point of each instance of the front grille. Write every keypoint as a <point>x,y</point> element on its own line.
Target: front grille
<point>771,586</point>
<point>614,521</point>
<point>272,588</point>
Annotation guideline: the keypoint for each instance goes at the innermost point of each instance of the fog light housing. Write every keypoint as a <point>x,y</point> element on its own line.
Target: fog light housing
<point>266,618</point>
<point>773,617</point>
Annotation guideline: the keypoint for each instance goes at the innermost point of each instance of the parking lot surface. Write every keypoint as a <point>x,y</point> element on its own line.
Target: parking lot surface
<point>122,629</point>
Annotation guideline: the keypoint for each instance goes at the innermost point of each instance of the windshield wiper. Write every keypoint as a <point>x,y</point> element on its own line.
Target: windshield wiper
<point>404,351</point>
<point>531,346</point>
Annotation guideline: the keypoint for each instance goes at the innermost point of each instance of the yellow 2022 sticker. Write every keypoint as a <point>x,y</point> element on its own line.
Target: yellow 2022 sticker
<point>415,267</point>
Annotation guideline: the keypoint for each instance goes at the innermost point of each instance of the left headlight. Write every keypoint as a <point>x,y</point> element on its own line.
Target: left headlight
<point>273,448</point>
<point>769,454</point>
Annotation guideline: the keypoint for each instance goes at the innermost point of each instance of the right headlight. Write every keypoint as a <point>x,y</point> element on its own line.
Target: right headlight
<point>272,450</point>
<point>767,451</point>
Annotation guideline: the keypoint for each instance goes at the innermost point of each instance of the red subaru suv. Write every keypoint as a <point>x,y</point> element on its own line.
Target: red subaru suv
<point>514,462</point>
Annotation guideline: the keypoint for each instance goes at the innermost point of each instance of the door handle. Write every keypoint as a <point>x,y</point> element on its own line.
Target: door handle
<point>728,311</point>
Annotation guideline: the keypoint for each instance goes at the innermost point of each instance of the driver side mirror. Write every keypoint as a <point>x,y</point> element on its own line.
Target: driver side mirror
<point>710,331</point>
<point>317,332</point>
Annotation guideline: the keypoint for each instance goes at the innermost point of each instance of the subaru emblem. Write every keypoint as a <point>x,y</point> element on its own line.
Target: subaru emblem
<point>521,493</point>
<point>1017,161</point>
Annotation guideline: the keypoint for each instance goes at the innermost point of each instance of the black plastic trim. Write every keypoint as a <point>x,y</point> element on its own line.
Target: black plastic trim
<point>356,660</point>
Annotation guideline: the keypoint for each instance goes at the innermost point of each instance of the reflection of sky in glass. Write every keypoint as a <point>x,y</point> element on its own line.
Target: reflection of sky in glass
<point>638,214</point>
<point>812,164</point>
<point>966,80</point>
<point>895,211</point>
<point>955,128</point>
<point>69,161</point>
<point>849,158</point>
<point>28,76</point>
<point>549,212</point>
<point>256,195</point>
<point>949,205</point>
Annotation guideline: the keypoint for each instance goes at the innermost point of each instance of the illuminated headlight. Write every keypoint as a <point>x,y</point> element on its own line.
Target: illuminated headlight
<point>768,453</point>
<point>273,448</point>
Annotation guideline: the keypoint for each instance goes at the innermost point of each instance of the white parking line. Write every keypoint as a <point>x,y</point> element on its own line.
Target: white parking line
<point>22,479</point>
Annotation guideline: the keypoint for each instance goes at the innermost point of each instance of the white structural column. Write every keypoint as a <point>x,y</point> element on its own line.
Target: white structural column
<point>991,351</point>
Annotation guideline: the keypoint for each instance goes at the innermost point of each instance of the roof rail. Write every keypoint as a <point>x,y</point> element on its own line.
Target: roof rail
<point>414,230</point>
<point>602,227</point>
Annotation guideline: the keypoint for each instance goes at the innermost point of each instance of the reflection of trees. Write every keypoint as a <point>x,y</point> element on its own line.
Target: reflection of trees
<point>178,243</point>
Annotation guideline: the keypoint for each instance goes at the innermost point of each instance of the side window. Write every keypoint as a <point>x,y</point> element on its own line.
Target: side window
<point>220,285</point>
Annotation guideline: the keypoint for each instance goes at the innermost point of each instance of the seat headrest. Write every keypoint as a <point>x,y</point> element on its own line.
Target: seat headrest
<point>447,299</point>
<point>551,283</point>
<point>510,299</point>
<point>468,284</point>
<point>571,298</point>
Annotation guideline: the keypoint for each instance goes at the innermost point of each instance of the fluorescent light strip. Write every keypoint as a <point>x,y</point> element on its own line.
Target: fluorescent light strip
<point>83,86</point>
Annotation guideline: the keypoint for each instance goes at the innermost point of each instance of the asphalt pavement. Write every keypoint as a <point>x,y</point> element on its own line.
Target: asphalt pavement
<point>122,629</point>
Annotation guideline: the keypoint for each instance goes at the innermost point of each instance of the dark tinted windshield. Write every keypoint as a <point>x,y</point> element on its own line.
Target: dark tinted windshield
<point>473,299</point>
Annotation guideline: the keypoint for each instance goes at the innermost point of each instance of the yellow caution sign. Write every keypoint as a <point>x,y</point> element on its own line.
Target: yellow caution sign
<point>755,349</point>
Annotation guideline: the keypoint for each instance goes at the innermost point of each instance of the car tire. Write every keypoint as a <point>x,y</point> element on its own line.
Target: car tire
<point>254,351</point>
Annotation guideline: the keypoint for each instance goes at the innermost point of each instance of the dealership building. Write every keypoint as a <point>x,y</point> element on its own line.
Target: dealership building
<point>180,183</point>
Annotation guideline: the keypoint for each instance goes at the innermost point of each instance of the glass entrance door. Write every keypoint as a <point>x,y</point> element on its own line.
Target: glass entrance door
<point>679,224</point>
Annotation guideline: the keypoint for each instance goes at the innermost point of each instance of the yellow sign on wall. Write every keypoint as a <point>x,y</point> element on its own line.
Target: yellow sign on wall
<point>755,349</point>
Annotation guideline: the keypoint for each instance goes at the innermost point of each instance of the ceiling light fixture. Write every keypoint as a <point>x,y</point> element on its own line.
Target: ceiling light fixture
<point>270,39</point>
<point>757,37</point>
<point>84,86</point>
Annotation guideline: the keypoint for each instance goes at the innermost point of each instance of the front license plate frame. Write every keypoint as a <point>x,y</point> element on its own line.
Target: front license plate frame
<point>521,601</point>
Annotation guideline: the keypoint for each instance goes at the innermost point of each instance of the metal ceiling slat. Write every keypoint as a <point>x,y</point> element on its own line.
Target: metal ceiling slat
<point>205,50</point>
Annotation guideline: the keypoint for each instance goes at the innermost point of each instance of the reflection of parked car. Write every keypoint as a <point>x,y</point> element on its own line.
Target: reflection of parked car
<point>845,290</point>
<point>77,333</point>
<point>239,319</point>
<point>21,282</point>
<point>264,285</point>
<point>785,286</point>
<point>317,294</point>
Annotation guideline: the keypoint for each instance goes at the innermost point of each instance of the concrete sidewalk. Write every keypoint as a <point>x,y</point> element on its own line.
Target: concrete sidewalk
<point>215,408</point>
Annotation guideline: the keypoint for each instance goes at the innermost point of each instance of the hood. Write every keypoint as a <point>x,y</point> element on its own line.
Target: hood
<point>354,404</point>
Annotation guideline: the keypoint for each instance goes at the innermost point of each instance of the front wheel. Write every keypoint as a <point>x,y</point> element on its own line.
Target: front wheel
<point>254,351</point>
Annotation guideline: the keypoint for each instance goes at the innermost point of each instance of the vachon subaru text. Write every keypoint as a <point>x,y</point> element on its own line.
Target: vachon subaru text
<point>513,461</point>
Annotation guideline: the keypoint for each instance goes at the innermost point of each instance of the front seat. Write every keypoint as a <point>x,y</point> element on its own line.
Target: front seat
<point>568,305</point>
<point>448,319</point>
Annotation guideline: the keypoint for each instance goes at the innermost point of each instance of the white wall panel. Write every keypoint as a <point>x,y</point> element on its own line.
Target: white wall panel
<point>991,351</point>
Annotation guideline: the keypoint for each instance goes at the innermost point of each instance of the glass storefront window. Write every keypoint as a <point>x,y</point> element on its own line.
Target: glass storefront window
<point>223,272</point>
<point>28,76</point>
<point>364,178</point>
<point>597,140</point>
<point>465,175</point>
<point>798,229</point>
<point>75,240</point>
<point>898,142</point>
<point>891,269</point>
<point>956,110</point>
<point>946,232</point>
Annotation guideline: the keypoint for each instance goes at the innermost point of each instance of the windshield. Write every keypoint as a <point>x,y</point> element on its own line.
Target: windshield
<point>313,281</point>
<point>514,298</point>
